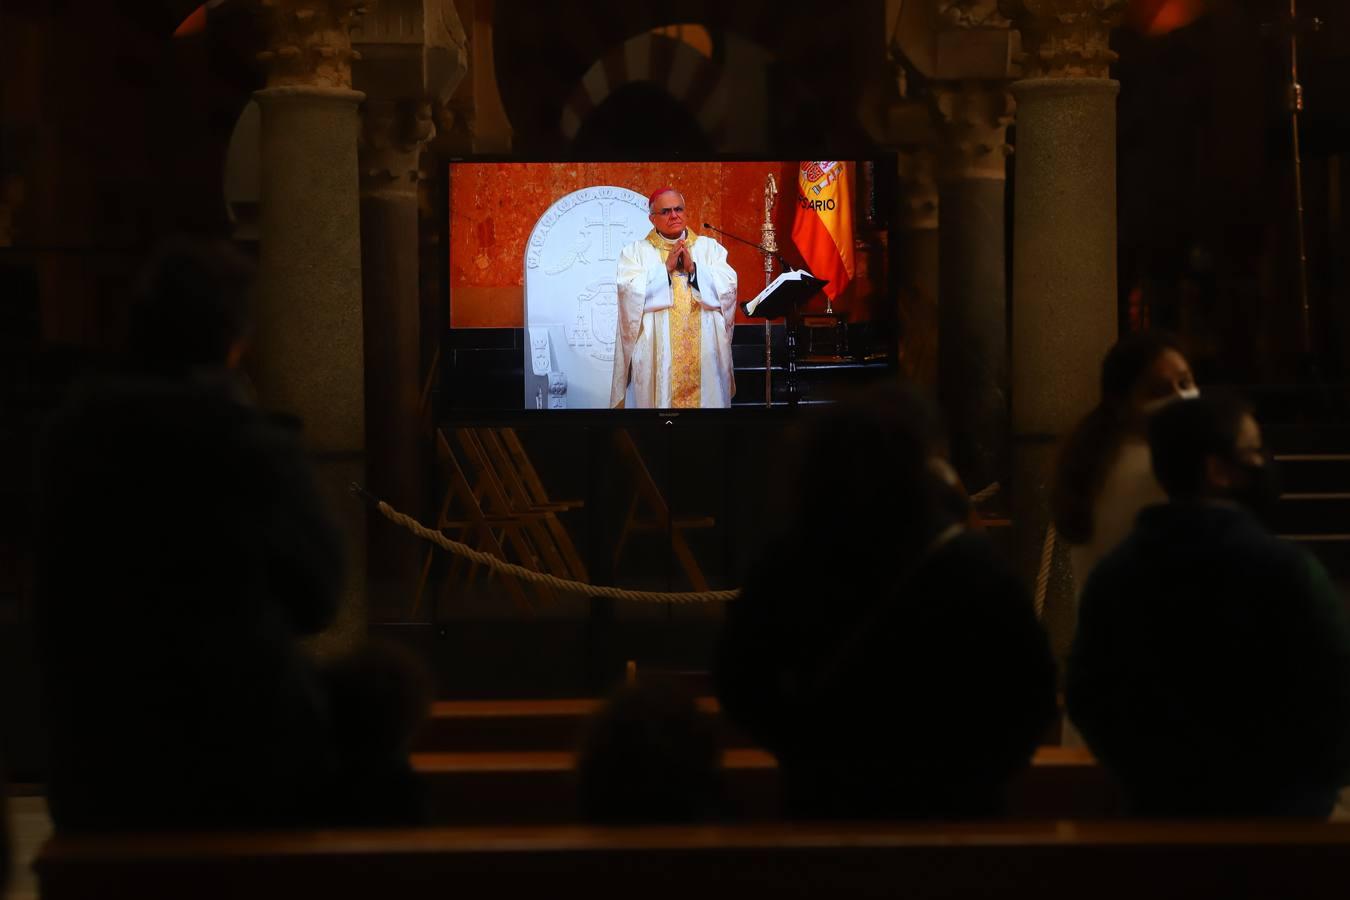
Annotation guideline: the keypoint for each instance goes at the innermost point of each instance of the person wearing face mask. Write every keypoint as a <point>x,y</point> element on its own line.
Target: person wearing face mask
<point>1211,667</point>
<point>1104,476</point>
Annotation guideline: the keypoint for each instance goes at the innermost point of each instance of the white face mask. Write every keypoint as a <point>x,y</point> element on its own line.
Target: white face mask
<point>944,471</point>
<point>1152,406</point>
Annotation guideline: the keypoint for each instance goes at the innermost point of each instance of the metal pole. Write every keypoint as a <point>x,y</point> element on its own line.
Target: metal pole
<point>769,240</point>
<point>1295,108</point>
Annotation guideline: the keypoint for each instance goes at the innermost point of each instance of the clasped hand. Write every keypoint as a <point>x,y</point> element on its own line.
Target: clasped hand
<point>679,259</point>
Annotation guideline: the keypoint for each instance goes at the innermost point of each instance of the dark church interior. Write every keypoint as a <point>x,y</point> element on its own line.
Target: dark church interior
<point>362,536</point>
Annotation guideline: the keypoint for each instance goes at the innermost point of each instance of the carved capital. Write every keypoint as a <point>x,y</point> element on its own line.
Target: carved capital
<point>972,119</point>
<point>309,42</point>
<point>473,120</point>
<point>917,170</point>
<point>954,39</point>
<point>971,14</point>
<point>410,48</point>
<point>1065,38</point>
<point>393,134</point>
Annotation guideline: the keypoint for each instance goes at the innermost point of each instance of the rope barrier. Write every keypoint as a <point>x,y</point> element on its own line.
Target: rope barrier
<point>612,593</point>
<point>526,574</point>
<point>983,495</point>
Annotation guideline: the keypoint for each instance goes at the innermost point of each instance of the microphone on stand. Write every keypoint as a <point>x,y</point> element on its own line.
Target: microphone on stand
<point>787,266</point>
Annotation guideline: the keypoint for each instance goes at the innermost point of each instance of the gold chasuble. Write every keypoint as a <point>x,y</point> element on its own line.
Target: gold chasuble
<point>672,341</point>
<point>685,321</point>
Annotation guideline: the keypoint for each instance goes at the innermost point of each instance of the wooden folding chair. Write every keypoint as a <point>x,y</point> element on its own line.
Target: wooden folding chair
<point>424,411</point>
<point>657,516</point>
<point>525,491</point>
<point>461,517</point>
<point>521,528</point>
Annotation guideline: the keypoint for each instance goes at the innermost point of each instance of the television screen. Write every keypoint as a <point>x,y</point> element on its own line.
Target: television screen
<point>569,258</point>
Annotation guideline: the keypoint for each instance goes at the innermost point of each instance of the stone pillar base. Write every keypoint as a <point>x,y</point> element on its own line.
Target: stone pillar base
<point>348,630</point>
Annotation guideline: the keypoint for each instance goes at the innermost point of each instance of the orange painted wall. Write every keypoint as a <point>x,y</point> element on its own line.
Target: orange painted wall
<point>494,206</point>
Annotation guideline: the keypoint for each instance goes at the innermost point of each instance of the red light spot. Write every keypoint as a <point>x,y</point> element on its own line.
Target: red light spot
<point>195,23</point>
<point>1158,17</point>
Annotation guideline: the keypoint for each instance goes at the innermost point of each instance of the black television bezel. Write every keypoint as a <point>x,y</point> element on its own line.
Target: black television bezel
<point>441,183</point>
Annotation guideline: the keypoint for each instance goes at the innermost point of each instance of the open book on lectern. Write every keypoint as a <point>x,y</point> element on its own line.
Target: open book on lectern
<point>784,293</point>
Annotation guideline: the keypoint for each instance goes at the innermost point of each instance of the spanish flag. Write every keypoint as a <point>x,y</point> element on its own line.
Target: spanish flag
<point>823,228</point>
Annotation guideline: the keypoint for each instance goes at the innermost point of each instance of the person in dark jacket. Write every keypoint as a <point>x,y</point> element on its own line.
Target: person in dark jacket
<point>183,552</point>
<point>1211,667</point>
<point>881,651</point>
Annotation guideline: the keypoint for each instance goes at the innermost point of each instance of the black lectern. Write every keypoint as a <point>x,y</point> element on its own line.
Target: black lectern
<point>783,299</point>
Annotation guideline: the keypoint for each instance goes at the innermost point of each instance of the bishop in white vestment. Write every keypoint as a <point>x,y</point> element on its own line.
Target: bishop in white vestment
<point>677,310</point>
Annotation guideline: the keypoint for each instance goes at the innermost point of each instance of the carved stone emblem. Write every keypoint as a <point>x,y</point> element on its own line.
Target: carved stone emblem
<point>570,292</point>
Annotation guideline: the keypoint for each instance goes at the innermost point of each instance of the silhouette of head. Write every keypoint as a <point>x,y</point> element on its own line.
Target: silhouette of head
<point>192,307</point>
<point>648,755</point>
<point>867,475</point>
<point>1211,448</point>
<point>1144,370</point>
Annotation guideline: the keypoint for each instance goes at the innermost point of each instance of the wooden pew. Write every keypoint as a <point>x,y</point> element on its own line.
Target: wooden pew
<point>1048,860</point>
<point>539,787</point>
<point>469,726</point>
<point>459,726</point>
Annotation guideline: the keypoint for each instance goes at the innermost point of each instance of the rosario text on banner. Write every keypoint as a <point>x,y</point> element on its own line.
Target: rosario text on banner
<point>823,227</point>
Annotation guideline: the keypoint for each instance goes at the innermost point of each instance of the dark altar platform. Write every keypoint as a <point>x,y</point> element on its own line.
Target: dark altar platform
<point>710,481</point>
<point>669,501</point>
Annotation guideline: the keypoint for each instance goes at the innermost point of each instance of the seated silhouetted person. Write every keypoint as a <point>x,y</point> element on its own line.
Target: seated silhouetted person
<point>649,755</point>
<point>378,697</point>
<point>882,652</point>
<point>1211,667</point>
<point>183,551</point>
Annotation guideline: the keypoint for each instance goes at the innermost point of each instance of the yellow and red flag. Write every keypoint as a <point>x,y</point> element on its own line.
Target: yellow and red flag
<point>823,228</point>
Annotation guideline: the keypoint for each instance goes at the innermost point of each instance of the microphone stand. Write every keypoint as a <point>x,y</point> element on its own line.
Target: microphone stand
<point>1288,28</point>
<point>762,248</point>
<point>1295,109</point>
<point>770,250</point>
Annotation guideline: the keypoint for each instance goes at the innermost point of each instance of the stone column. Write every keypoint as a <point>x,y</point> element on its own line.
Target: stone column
<point>972,120</point>
<point>474,119</point>
<point>960,55</point>
<point>412,55</point>
<point>393,135</point>
<point>1064,253</point>
<point>917,237</point>
<point>308,349</point>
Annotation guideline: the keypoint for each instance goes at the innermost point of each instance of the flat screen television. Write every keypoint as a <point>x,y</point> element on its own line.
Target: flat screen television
<point>533,250</point>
